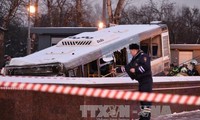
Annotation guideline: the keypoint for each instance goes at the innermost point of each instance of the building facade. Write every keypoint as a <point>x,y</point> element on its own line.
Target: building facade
<point>184,53</point>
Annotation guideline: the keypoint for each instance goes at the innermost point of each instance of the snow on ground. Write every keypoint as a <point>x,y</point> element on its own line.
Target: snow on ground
<point>91,81</point>
<point>189,115</point>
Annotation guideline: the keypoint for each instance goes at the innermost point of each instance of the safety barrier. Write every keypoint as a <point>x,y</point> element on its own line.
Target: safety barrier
<point>103,93</point>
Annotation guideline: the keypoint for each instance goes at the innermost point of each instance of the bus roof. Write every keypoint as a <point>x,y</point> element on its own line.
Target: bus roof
<point>86,47</point>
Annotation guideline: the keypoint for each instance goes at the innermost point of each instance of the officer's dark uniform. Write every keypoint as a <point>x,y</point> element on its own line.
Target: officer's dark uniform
<point>143,74</point>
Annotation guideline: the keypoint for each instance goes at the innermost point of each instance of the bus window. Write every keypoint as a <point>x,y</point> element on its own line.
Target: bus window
<point>71,73</point>
<point>85,70</point>
<point>91,69</point>
<point>145,48</point>
<point>76,72</point>
<point>106,65</point>
<point>155,50</point>
<point>121,57</point>
<point>156,47</point>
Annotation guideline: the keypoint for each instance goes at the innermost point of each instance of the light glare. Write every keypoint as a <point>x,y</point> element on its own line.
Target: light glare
<point>31,9</point>
<point>101,25</point>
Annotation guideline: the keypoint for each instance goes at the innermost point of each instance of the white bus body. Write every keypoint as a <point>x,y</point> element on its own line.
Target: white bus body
<point>92,54</point>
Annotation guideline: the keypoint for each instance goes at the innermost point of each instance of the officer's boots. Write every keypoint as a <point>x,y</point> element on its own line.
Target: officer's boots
<point>145,113</point>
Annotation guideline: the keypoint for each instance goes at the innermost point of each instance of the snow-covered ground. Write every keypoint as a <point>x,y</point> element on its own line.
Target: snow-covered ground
<point>189,115</point>
<point>91,81</point>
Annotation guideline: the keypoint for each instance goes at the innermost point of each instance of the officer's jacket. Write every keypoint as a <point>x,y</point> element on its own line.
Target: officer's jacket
<point>142,65</point>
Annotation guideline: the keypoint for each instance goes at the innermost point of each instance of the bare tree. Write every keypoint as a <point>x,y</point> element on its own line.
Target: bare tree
<point>79,12</point>
<point>97,14</point>
<point>110,12</point>
<point>118,11</point>
<point>36,20</point>
<point>189,17</point>
<point>183,23</point>
<point>8,11</point>
<point>49,11</point>
<point>115,18</point>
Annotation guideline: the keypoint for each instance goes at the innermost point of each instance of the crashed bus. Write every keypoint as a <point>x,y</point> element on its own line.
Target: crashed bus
<point>94,54</point>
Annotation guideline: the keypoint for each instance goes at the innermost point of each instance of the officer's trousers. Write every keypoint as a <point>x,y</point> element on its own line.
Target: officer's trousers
<point>145,85</point>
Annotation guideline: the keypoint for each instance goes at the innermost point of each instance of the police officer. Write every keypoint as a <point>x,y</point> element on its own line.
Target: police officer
<point>140,69</point>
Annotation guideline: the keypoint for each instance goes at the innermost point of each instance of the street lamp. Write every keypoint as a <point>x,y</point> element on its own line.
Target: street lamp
<point>31,10</point>
<point>100,25</point>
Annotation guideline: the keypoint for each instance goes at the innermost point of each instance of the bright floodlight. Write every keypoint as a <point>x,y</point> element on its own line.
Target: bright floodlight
<point>31,9</point>
<point>101,25</point>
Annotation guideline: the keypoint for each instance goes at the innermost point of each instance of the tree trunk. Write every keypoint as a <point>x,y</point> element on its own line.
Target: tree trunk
<point>118,11</point>
<point>104,13</point>
<point>2,40</point>
<point>1,47</point>
<point>109,9</point>
<point>49,5</point>
<point>13,6</point>
<point>79,13</point>
<point>116,17</point>
<point>36,21</point>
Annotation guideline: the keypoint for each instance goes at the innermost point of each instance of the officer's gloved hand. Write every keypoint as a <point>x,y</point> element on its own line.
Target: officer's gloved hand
<point>123,69</point>
<point>132,70</point>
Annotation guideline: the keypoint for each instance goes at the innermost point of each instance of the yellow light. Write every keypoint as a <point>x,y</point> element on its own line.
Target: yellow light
<point>101,25</point>
<point>31,9</point>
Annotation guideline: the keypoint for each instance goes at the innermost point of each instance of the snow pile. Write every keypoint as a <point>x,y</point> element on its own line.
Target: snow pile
<point>189,115</point>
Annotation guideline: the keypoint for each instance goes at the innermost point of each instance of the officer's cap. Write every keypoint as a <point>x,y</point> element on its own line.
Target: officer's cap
<point>134,46</point>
